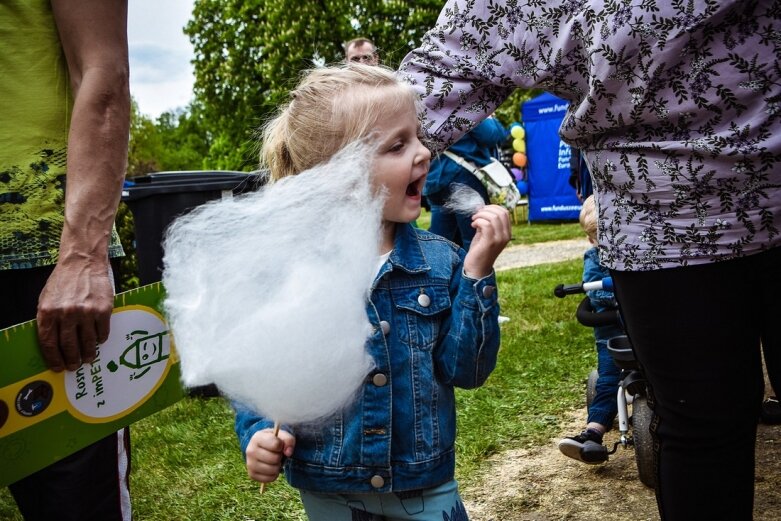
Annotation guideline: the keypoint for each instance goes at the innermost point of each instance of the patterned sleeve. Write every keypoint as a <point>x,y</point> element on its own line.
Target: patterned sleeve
<point>476,55</point>
<point>677,105</point>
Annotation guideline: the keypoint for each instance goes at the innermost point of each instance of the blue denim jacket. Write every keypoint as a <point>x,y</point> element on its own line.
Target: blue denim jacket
<point>434,330</point>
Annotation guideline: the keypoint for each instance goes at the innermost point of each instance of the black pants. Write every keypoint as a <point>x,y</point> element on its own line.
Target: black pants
<point>696,333</point>
<point>90,484</point>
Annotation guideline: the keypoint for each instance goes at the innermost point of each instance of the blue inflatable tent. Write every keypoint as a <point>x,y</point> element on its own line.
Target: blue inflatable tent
<point>550,195</point>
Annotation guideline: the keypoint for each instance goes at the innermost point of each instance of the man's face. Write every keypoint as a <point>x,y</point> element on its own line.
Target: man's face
<point>362,53</point>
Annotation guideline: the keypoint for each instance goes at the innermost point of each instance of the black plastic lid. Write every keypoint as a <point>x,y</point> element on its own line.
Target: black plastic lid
<point>190,181</point>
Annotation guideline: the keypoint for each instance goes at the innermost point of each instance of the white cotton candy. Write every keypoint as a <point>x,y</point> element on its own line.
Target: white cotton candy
<point>464,200</point>
<point>267,293</point>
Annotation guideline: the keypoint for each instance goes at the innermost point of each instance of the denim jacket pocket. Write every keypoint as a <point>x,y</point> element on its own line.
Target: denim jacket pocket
<point>320,443</point>
<point>422,310</point>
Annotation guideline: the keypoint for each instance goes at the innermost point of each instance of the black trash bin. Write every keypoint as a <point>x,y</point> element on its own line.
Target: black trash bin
<point>156,199</point>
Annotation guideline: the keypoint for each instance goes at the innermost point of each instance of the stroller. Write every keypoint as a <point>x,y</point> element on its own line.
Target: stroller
<point>634,413</point>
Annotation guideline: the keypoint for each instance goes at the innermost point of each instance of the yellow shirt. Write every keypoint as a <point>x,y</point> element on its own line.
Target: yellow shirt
<point>35,110</point>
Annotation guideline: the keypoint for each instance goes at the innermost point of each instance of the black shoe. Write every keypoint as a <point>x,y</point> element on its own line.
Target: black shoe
<point>586,447</point>
<point>771,411</point>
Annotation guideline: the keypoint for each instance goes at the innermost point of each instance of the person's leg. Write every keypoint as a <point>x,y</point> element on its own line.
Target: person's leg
<point>88,485</point>
<point>340,507</point>
<point>588,445</point>
<point>466,233</point>
<point>443,222</point>
<point>92,483</point>
<point>695,332</point>
<point>464,222</point>
<point>604,408</point>
<point>434,504</point>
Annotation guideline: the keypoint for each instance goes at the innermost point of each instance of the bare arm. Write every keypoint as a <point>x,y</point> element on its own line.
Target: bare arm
<point>74,308</point>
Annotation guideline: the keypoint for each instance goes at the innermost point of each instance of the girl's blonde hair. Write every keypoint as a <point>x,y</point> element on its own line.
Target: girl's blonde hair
<point>588,218</point>
<point>331,107</point>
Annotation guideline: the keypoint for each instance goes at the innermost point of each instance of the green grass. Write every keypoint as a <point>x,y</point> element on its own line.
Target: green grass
<point>544,359</point>
<point>186,461</point>
<point>525,232</point>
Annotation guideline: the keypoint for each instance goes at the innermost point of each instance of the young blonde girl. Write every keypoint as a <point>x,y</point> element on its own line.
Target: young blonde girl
<point>389,455</point>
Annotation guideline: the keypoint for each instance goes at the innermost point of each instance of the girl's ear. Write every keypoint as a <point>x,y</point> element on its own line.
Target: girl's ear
<point>280,161</point>
<point>285,159</point>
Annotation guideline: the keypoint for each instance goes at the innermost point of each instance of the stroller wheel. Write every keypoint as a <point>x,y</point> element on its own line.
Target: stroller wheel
<point>644,445</point>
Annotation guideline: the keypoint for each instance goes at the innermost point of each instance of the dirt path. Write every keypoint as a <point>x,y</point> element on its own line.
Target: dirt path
<point>540,484</point>
<point>531,254</point>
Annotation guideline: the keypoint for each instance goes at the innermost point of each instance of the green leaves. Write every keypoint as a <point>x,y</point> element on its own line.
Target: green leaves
<point>249,54</point>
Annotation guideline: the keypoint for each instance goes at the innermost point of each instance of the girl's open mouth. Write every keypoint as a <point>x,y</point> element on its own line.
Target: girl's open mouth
<point>415,189</point>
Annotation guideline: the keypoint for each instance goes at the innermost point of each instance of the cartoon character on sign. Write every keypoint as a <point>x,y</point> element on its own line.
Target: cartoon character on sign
<point>143,353</point>
<point>130,365</point>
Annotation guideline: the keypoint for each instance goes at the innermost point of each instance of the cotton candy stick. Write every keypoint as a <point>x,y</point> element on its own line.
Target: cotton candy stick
<point>276,432</point>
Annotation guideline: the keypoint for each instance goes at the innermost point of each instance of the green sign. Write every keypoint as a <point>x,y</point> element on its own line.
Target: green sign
<point>45,416</point>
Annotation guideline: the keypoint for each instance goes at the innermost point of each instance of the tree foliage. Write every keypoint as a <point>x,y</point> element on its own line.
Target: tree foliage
<point>249,53</point>
<point>176,140</point>
<point>509,112</point>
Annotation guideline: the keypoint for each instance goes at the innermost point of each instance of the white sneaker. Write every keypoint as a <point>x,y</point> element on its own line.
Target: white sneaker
<point>503,319</point>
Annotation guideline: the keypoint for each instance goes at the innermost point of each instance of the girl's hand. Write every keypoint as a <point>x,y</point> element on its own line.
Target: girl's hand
<point>265,453</point>
<point>493,233</point>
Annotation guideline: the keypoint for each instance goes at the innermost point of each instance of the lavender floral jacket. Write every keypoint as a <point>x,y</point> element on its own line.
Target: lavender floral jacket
<point>675,102</point>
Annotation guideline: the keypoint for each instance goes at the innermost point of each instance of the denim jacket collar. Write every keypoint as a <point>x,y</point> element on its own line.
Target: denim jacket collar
<point>407,253</point>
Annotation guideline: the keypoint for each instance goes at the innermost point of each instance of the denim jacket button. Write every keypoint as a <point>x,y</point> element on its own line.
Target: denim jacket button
<point>379,379</point>
<point>377,481</point>
<point>488,291</point>
<point>385,326</point>
<point>424,300</point>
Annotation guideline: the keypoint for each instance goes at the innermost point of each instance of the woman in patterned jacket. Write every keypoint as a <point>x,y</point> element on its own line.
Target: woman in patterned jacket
<point>676,106</point>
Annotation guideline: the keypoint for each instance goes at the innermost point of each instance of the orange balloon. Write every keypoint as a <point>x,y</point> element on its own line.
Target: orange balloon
<point>519,159</point>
